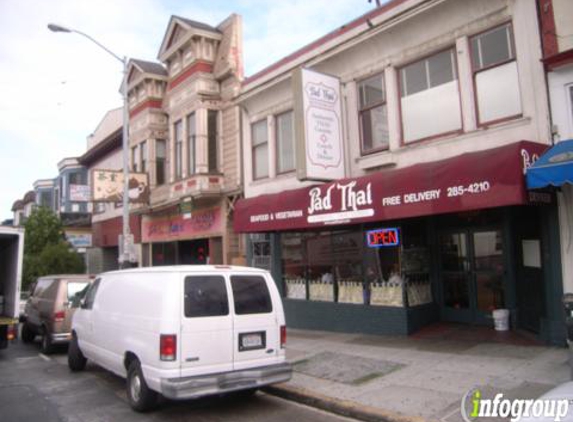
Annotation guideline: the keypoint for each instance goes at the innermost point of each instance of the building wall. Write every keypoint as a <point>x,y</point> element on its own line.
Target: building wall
<point>384,50</point>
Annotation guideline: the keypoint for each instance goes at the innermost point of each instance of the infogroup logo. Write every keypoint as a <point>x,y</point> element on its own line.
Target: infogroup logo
<point>475,407</point>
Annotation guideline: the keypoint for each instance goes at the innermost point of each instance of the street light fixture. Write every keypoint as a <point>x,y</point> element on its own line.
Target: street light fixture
<point>127,241</point>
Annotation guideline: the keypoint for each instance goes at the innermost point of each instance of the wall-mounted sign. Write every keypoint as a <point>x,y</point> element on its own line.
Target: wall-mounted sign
<point>318,127</point>
<point>80,193</point>
<point>108,186</point>
<point>204,222</point>
<point>79,240</point>
<point>381,238</point>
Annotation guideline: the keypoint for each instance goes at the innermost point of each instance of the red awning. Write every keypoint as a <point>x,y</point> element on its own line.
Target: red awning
<point>471,181</point>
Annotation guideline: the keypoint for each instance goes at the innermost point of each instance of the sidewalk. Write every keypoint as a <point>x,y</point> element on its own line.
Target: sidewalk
<point>416,378</point>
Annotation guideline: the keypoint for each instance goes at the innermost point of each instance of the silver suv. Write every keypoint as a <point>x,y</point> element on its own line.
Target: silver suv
<point>49,309</point>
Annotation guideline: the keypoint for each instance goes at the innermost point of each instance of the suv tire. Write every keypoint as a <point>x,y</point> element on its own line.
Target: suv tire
<point>140,397</point>
<point>28,335</point>
<point>47,346</point>
<point>76,359</point>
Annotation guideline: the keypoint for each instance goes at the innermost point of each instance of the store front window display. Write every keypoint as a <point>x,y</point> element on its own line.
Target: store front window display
<point>343,266</point>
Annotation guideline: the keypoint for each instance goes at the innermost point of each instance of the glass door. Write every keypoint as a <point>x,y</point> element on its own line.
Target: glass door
<point>455,277</point>
<point>472,275</point>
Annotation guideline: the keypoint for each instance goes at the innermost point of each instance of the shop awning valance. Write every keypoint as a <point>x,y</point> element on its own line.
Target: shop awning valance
<point>471,181</point>
<point>553,168</point>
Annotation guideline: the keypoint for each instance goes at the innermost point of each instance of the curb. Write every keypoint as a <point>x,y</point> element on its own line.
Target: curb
<point>346,408</point>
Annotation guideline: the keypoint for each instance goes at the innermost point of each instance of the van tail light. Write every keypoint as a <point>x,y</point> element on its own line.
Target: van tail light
<point>168,347</point>
<point>11,334</point>
<point>60,316</point>
<point>283,336</point>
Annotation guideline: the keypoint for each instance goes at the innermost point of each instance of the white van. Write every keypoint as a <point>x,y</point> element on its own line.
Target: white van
<point>183,331</point>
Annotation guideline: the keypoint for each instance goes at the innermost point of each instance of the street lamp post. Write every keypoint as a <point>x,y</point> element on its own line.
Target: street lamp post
<point>124,257</point>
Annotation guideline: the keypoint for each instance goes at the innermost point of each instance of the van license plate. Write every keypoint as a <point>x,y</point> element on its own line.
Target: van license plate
<point>252,341</point>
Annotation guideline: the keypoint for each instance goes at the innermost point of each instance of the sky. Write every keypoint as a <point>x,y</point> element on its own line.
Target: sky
<point>56,87</point>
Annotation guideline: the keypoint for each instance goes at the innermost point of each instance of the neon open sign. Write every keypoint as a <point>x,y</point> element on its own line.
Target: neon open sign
<point>382,238</point>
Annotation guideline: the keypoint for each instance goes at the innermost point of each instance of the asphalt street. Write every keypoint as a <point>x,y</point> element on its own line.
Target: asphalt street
<point>34,387</point>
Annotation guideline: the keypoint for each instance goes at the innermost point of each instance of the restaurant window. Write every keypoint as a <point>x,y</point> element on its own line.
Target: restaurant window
<point>430,98</point>
<point>212,140</point>
<point>178,133</point>
<point>191,143</point>
<point>343,267</point>
<point>495,70</point>
<point>285,142</point>
<point>373,114</point>
<point>143,156</point>
<point>134,158</point>
<point>260,145</point>
<point>160,165</point>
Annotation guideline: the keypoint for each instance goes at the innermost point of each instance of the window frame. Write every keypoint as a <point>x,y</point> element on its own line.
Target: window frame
<point>456,74</point>
<point>292,141</point>
<point>191,144</point>
<point>475,71</point>
<point>163,161</point>
<point>143,155</point>
<point>254,147</point>
<point>213,141</point>
<point>178,148</point>
<point>134,158</point>
<point>366,109</point>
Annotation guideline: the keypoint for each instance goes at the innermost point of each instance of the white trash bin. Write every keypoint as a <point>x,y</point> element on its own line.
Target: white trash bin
<point>501,319</point>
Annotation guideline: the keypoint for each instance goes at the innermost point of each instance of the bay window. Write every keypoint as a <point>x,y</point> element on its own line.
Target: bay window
<point>285,142</point>
<point>178,133</point>
<point>191,143</point>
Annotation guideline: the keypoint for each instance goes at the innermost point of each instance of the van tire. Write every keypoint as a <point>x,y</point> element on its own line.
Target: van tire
<point>47,346</point>
<point>28,335</point>
<point>140,397</point>
<point>76,359</point>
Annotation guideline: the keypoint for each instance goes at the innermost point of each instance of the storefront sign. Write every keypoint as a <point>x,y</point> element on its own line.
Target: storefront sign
<point>206,223</point>
<point>108,186</point>
<point>80,193</point>
<point>318,130</point>
<point>472,181</point>
<point>79,240</point>
<point>381,238</point>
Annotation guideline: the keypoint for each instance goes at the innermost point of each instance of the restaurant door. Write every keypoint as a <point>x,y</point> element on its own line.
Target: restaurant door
<point>472,275</point>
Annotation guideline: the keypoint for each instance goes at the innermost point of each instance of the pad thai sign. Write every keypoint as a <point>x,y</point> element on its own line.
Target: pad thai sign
<point>108,186</point>
<point>318,128</point>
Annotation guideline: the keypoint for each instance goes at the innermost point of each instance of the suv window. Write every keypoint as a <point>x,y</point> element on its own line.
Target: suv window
<point>251,295</point>
<point>90,295</point>
<point>74,288</point>
<point>205,296</point>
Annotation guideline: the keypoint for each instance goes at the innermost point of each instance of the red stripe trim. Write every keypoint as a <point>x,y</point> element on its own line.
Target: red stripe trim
<point>153,103</point>
<point>191,70</point>
<point>557,60</point>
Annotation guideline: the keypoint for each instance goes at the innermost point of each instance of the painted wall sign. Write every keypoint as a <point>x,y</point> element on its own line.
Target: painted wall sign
<point>381,238</point>
<point>79,240</point>
<point>471,181</point>
<point>80,193</point>
<point>318,128</point>
<point>108,186</point>
<point>207,222</point>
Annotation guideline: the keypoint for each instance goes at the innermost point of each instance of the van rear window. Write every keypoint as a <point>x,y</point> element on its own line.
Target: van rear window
<point>205,296</point>
<point>251,295</point>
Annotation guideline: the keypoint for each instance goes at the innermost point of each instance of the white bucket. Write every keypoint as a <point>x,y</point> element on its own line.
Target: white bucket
<point>501,319</point>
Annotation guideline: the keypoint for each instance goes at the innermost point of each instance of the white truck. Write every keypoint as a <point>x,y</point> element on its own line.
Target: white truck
<point>11,255</point>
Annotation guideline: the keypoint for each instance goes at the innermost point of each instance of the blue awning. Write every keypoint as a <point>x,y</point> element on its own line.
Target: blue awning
<point>554,167</point>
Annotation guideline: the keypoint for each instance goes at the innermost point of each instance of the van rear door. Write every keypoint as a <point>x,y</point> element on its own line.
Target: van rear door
<point>206,326</point>
<point>256,336</point>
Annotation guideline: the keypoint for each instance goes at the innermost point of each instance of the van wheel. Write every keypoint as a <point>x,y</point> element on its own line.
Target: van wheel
<point>76,359</point>
<point>47,346</point>
<point>141,398</point>
<point>28,335</point>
